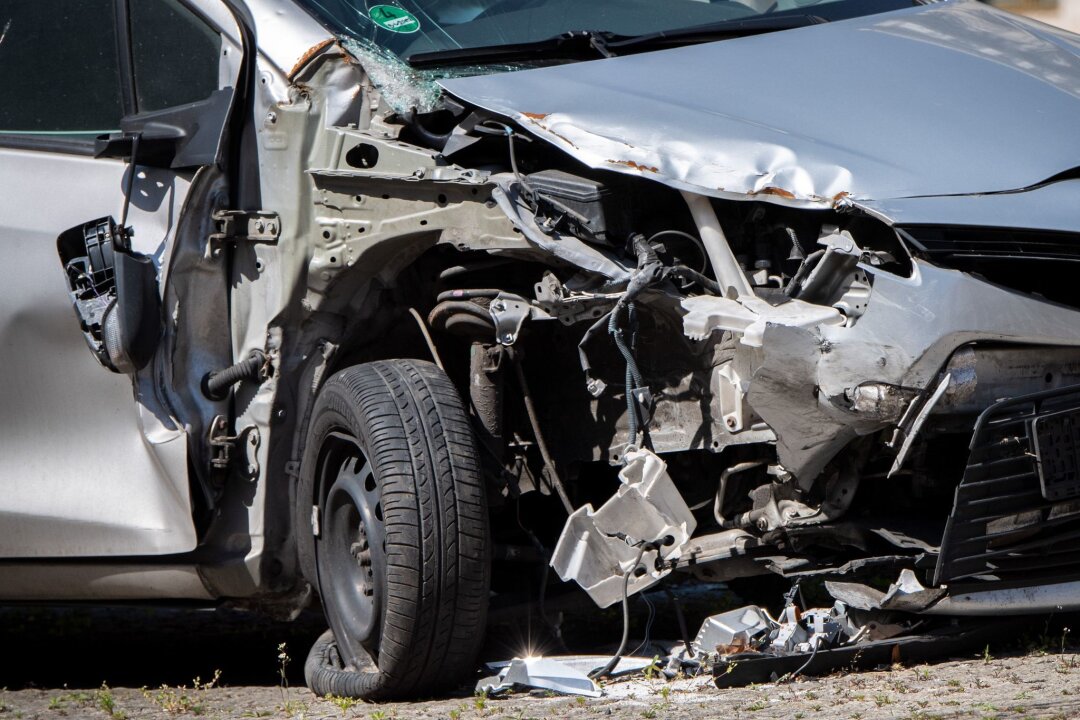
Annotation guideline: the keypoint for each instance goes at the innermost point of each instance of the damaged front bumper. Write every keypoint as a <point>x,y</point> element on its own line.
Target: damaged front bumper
<point>922,356</point>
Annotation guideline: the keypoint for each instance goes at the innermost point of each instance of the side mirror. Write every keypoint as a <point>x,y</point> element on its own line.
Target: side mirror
<point>114,293</point>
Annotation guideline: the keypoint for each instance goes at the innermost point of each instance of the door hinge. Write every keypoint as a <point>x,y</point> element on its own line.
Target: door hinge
<point>223,445</point>
<point>250,226</point>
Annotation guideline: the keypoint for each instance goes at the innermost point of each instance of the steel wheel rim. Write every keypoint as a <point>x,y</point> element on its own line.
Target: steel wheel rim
<point>352,557</point>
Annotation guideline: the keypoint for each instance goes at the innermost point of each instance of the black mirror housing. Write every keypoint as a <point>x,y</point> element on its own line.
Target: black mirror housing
<point>114,293</point>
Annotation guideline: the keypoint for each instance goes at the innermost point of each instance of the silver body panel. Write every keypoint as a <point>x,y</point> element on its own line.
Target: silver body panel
<point>84,470</point>
<point>58,582</point>
<point>1050,207</point>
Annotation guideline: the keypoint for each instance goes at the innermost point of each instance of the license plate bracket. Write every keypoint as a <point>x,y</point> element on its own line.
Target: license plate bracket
<point>1057,452</point>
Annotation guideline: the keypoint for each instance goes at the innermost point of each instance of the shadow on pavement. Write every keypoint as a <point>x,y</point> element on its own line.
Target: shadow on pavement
<point>135,646</point>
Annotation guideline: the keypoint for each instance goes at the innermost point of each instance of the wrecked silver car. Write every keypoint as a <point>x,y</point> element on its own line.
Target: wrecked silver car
<point>394,305</point>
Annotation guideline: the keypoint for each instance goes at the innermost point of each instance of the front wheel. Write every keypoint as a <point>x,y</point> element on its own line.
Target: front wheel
<point>402,551</point>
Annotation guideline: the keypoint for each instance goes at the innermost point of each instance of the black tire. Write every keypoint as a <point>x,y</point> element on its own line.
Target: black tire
<point>402,555</point>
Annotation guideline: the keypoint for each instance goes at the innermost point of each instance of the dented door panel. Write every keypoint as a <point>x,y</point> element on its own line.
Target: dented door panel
<point>86,470</point>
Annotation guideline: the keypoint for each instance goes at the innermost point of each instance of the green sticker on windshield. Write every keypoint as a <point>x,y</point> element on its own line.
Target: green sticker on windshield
<point>394,19</point>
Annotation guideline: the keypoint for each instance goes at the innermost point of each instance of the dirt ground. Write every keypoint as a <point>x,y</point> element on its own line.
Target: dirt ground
<point>135,663</point>
<point>1038,684</point>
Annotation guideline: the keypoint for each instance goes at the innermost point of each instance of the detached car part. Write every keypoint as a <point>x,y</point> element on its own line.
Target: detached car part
<point>622,548</point>
<point>114,293</point>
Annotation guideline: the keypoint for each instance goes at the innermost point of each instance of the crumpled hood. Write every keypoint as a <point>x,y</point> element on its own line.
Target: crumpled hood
<point>945,99</point>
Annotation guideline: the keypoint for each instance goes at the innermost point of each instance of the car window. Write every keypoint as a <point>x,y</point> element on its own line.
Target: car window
<point>174,54</point>
<point>58,68</point>
<point>408,27</point>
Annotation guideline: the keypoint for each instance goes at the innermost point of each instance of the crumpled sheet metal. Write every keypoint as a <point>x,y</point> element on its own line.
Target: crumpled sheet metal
<point>907,594</point>
<point>598,547</point>
<point>745,119</point>
<point>909,330</point>
<point>784,393</point>
<point>542,674</point>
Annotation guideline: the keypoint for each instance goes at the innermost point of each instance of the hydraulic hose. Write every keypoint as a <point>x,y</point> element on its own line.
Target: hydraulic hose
<point>633,375</point>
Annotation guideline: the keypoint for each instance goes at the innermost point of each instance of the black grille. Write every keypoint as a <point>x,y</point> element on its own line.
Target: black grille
<point>1012,521</point>
<point>950,245</point>
<point>1037,262</point>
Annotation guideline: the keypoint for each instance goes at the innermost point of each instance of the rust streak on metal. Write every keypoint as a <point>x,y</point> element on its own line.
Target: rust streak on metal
<point>563,138</point>
<point>535,116</point>
<point>778,192</point>
<point>306,57</point>
<point>635,166</point>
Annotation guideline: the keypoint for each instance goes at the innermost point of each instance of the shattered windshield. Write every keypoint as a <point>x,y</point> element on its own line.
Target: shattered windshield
<point>414,27</point>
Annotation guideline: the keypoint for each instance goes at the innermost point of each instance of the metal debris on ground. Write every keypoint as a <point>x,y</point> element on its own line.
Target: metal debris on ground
<point>752,630</point>
<point>747,645</point>
<point>540,673</point>
<point>906,594</point>
<point>564,674</point>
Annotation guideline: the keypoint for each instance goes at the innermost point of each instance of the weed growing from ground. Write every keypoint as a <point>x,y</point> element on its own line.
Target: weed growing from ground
<point>882,699</point>
<point>289,706</point>
<point>181,701</point>
<point>344,703</point>
<point>105,701</point>
<point>79,699</point>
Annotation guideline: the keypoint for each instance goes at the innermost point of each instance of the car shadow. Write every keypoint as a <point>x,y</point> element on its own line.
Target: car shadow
<point>147,646</point>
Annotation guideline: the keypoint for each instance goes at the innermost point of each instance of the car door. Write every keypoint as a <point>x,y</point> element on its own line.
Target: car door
<point>90,463</point>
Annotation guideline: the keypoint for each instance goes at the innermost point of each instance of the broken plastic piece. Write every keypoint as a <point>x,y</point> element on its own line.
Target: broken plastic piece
<point>751,630</point>
<point>541,673</point>
<point>950,640</point>
<point>732,632</point>
<point>598,548</point>
<point>749,315</point>
<point>912,432</point>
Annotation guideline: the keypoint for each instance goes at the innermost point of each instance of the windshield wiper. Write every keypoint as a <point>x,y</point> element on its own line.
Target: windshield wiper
<point>586,44</point>
<point>571,44</point>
